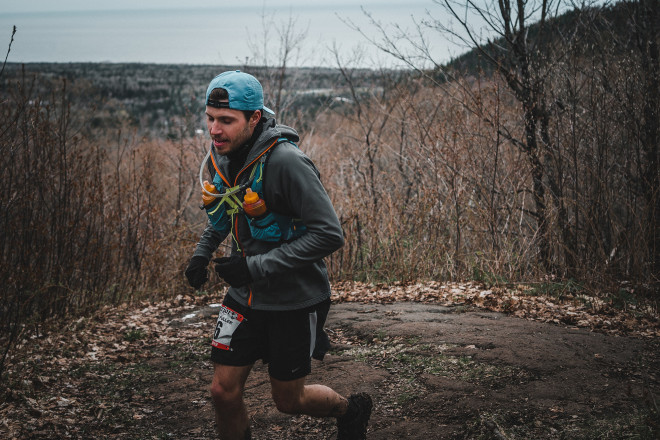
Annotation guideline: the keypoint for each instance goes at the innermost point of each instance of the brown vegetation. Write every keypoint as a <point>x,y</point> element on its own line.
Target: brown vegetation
<point>547,167</point>
<point>468,178</point>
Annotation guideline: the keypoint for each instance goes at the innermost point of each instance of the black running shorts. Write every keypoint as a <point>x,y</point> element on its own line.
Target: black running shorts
<point>283,339</point>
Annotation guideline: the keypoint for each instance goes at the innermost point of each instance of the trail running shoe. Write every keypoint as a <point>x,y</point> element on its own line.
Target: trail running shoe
<point>353,425</point>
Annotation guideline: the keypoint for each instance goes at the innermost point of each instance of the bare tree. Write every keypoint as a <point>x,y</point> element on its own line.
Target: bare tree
<point>646,27</point>
<point>273,56</point>
<point>525,62</point>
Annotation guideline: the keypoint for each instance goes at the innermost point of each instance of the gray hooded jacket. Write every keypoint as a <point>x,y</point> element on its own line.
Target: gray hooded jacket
<point>286,275</point>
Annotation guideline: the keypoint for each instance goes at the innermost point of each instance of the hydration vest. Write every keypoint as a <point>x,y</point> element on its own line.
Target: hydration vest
<point>271,226</point>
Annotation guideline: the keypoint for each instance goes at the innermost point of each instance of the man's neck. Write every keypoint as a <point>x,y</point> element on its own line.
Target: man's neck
<point>238,157</point>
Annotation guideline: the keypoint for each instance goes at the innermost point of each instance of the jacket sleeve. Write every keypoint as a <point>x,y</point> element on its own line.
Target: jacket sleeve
<point>293,187</point>
<point>209,241</point>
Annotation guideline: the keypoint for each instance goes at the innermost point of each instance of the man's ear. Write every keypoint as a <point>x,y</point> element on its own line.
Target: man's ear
<point>255,118</point>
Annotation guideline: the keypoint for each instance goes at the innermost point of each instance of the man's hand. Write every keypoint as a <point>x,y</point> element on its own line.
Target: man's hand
<point>196,271</point>
<point>233,270</point>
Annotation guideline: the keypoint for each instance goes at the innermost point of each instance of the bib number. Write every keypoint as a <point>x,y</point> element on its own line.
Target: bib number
<point>228,322</point>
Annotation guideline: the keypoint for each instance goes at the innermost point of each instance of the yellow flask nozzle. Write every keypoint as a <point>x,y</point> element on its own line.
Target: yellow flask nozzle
<point>209,187</point>
<point>250,196</point>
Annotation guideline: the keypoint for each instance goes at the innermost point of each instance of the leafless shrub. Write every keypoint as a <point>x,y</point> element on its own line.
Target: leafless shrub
<point>547,169</point>
<point>85,220</point>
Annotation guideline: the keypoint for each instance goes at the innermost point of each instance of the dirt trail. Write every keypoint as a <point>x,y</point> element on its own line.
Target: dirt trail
<point>435,372</point>
<point>466,372</point>
<point>440,372</point>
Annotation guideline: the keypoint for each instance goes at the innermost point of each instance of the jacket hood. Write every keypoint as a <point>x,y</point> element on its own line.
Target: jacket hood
<point>271,131</point>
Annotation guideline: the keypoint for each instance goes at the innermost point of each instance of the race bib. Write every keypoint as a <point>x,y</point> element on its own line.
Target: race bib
<point>228,321</point>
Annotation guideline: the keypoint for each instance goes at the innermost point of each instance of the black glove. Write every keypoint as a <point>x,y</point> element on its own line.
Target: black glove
<point>196,271</point>
<point>233,270</point>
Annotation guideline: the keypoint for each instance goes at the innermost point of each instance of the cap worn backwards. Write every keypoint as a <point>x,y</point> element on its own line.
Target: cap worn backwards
<point>244,90</point>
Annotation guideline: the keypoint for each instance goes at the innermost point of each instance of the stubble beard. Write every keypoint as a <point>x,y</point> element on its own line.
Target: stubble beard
<point>240,140</point>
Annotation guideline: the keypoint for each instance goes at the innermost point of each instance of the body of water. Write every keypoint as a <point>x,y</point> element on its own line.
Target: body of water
<point>232,35</point>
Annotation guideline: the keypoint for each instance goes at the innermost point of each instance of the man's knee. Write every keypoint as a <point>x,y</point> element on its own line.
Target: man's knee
<point>226,396</point>
<point>227,386</point>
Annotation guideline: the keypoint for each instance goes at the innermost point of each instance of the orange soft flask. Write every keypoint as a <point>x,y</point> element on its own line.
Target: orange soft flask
<point>207,199</point>
<point>253,205</point>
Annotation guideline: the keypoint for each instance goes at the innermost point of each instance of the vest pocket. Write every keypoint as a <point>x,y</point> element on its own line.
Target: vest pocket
<point>218,216</point>
<point>265,228</point>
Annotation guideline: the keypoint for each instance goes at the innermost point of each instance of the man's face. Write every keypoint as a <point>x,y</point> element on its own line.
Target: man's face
<point>229,129</point>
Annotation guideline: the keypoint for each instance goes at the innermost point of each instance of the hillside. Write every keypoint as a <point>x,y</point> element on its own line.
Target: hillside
<point>590,27</point>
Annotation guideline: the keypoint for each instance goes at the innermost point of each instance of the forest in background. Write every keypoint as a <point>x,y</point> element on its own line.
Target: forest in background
<point>541,168</point>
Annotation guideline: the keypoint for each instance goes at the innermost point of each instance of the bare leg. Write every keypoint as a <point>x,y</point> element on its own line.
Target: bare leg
<point>294,397</point>
<point>227,395</point>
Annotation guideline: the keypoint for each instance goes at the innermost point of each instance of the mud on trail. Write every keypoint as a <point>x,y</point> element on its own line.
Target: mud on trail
<point>452,371</point>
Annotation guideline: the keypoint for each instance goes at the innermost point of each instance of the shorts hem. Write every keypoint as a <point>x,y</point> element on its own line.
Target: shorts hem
<point>288,377</point>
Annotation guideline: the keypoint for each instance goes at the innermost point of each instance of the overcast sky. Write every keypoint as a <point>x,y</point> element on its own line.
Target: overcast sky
<point>97,5</point>
<point>47,32</point>
<point>191,36</point>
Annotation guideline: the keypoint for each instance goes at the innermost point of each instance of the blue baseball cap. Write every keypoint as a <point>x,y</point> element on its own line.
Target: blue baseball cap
<point>244,90</point>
